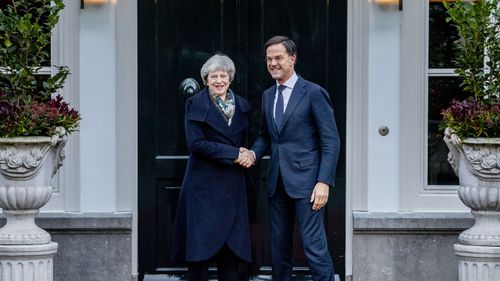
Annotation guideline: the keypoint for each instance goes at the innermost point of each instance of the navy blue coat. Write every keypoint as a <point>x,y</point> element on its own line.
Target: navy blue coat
<point>305,149</point>
<point>212,206</point>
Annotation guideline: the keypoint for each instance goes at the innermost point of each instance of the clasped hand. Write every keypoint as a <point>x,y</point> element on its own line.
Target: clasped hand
<point>245,158</point>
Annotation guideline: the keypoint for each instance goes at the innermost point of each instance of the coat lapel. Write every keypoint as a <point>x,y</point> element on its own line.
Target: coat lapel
<point>217,121</point>
<point>297,94</point>
<point>239,122</point>
<point>204,109</point>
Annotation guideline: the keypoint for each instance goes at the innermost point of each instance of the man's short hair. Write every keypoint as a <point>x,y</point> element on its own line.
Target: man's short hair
<point>289,45</point>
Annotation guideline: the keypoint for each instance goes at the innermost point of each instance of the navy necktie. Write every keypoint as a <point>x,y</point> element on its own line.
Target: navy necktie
<point>280,108</point>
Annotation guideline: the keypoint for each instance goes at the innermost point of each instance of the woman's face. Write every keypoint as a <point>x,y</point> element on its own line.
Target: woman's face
<point>218,82</point>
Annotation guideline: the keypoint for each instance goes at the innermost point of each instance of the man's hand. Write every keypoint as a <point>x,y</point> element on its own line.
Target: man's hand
<point>319,196</point>
<point>245,158</point>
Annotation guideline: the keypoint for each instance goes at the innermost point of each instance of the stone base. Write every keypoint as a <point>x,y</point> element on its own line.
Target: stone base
<point>91,246</point>
<point>27,262</point>
<point>407,246</point>
<point>478,263</point>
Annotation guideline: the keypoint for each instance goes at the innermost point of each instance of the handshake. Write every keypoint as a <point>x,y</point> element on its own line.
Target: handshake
<point>246,158</point>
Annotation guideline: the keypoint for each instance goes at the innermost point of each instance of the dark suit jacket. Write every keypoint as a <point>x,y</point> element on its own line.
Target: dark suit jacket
<point>306,149</point>
<point>212,205</point>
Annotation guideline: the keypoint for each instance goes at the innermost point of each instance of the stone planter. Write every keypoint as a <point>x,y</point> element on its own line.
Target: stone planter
<point>477,164</point>
<point>27,165</point>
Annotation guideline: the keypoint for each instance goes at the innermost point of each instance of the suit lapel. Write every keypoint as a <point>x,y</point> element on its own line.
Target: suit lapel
<point>297,94</point>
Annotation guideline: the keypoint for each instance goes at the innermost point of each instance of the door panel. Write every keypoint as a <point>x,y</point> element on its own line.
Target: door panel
<point>175,38</point>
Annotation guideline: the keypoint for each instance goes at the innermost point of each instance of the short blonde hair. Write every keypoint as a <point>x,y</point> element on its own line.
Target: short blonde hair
<point>215,63</point>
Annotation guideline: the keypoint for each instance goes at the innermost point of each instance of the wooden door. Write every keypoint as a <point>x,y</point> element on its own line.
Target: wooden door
<point>175,38</point>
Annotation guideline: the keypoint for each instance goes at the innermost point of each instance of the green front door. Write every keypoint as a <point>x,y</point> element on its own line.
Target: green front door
<point>175,38</point>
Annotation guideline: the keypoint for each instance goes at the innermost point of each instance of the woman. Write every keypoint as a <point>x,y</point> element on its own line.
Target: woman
<point>211,222</point>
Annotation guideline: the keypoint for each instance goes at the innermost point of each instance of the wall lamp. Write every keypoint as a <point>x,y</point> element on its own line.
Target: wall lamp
<point>390,3</point>
<point>84,3</point>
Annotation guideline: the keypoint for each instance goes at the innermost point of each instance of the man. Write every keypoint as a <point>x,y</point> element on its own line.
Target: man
<point>298,125</point>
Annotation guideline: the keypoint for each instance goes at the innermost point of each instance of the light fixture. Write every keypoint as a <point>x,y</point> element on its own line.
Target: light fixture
<point>84,3</point>
<point>390,3</point>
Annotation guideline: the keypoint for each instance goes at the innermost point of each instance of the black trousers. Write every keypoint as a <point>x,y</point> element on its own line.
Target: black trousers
<point>227,267</point>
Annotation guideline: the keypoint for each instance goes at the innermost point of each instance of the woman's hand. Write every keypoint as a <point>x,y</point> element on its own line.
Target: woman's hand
<point>245,158</point>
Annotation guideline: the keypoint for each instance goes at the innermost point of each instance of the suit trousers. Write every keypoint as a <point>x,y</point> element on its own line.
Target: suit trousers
<point>283,211</point>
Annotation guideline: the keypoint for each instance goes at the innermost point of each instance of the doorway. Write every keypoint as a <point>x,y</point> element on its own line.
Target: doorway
<point>175,38</point>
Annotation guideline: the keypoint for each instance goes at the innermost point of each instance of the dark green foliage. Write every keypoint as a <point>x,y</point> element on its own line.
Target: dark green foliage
<point>27,106</point>
<point>478,63</point>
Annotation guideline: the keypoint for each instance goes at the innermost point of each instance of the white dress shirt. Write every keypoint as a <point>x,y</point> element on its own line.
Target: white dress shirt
<point>287,92</point>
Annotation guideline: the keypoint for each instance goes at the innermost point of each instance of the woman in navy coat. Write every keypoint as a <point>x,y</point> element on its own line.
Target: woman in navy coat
<point>211,223</point>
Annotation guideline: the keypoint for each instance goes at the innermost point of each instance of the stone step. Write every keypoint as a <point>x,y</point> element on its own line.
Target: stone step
<point>167,277</point>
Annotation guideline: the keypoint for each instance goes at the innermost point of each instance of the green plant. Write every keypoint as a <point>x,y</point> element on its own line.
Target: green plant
<point>27,105</point>
<point>478,64</point>
<point>473,119</point>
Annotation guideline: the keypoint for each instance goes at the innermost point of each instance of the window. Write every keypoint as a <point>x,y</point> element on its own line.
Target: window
<point>443,85</point>
<point>428,83</point>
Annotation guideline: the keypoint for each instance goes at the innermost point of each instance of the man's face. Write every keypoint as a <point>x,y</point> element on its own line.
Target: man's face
<point>279,64</point>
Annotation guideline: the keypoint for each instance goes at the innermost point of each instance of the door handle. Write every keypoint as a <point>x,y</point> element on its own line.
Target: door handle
<point>189,87</point>
<point>383,130</point>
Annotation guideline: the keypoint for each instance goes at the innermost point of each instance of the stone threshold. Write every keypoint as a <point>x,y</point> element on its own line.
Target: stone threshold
<point>299,273</point>
<point>69,222</point>
<point>164,277</point>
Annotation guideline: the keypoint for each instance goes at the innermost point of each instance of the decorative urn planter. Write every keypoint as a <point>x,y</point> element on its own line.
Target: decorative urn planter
<point>27,165</point>
<point>476,161</point>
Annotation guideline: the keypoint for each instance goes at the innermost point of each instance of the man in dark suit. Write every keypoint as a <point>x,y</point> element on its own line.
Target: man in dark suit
<point>298,126</point>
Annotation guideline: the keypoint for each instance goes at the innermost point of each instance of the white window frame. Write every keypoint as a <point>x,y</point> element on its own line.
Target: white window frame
<point>415,193</point>
<point>65,46</point>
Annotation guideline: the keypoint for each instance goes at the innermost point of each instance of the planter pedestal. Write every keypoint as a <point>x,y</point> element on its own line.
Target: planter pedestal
<point>27,166</point>
<point>477,164</point>
<point>477,263</point>
<point>27,262</point>
<point>21,229</point>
